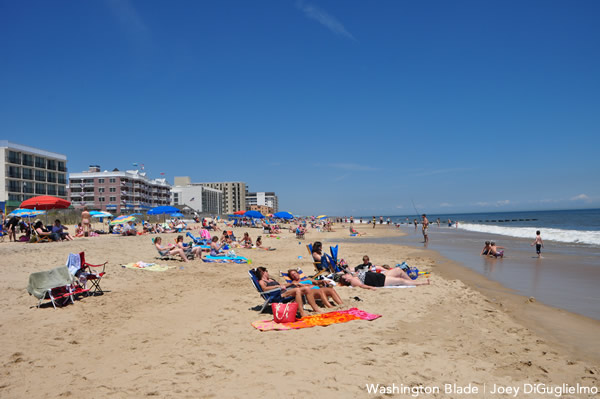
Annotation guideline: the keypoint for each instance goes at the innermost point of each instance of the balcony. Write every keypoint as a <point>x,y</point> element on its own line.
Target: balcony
<point>15,160</point>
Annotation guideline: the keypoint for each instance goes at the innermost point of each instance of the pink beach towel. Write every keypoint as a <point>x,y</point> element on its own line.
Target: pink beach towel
<point>323,319</point>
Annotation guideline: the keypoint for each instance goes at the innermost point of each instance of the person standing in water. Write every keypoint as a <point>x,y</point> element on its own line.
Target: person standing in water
<point>539,244</point>
<point>425,224</point>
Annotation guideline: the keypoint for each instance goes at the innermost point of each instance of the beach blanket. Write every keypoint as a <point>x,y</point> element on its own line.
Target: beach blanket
<point>226,259</point>
<point>153,267</point>
<point>323,319</point>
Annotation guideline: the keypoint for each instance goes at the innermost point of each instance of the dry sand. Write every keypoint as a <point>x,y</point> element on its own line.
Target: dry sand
<point>186,332</point>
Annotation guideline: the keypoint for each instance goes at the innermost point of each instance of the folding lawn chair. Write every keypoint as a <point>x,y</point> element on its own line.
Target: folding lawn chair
<point>52,285</point>
<point>91,275</point>
<point>320,267</point>
<point>271,296</point>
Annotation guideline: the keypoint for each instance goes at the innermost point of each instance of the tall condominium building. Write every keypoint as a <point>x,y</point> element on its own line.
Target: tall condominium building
<point>196,196</point>
<point>27,172</point>
<point>234,194</point>
<point>117,190</point>
<point>268,199</point>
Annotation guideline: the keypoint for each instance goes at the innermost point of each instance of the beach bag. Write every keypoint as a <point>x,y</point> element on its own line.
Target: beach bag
<point>284,312</point>
<point>413,273</point>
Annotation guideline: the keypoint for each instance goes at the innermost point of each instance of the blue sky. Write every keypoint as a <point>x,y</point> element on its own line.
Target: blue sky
<point>340,107</point>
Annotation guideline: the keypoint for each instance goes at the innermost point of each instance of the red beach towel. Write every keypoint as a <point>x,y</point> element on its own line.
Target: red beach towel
<point>324,319</point>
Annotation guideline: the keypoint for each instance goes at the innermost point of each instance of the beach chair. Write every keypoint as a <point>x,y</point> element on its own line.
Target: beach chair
<point>53,285</point>
<point>36,238</point>
<point>93,274</point>
<point>299,234</point>
<point>319,269</point>
<point>271,296</point>
<point>231,235</point>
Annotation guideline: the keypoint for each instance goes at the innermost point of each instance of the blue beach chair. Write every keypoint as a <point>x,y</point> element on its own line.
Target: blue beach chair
<point>271,296</point>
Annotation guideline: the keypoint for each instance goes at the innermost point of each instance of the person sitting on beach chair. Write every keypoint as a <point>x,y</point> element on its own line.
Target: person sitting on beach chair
<point>169,250</point>
<point>371,280</point>
<point>287,290</point>
<point>189,250</point>
<point>300,231</point>
<point>324,291</point>
<point>43,234</point>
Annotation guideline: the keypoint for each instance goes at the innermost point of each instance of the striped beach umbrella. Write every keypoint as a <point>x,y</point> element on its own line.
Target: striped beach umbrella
<point>122,219</point>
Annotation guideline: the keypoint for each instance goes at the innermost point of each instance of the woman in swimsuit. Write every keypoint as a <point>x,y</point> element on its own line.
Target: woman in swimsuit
<point>320,287</point>
<point>196,251</point>
<point>85,221</point>
<point>215,247</point>
<point>371,280</point>
<point>246,241</point>
<point>287,290</point>
<point>169,250</point>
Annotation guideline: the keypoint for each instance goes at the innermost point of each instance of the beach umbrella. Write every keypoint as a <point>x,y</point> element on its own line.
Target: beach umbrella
<point>162,210</point>
<point>45,202</point>
<point>254,215</point>
<point>100,214</point>
<point>321,217</point>
<point>25,213</point>
<point>239,212</point>
<point>284,215</point>
<point>122,219</point>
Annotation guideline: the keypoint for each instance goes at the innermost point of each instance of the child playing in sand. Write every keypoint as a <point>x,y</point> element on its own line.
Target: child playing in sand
<point>539,244</point>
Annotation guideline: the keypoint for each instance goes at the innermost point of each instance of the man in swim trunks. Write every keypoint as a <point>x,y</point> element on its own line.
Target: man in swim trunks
<point>86,221</point>
<point>425,224</point>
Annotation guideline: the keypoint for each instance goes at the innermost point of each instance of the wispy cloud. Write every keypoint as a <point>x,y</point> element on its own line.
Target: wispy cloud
<point>441,171</point>
<point>445,205</point>
<point>497,203</point>
<point>580,197</point>
<point>352,166</point>
<point>129,18</point>
<point>330,22</point>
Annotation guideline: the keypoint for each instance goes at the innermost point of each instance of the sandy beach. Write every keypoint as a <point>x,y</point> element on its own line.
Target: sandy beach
<point>186,332</point>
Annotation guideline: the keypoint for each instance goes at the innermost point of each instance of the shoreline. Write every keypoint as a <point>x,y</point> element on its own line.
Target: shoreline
<point>572,331</point>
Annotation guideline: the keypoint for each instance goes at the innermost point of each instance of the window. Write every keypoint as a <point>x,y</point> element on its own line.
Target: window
<point>40,163</point>
<point>40,175</point>
<point>112,199</point>
<point>28,188</point>
<point>100,189</point>
<point>51,177</point>
<point>61,166</point>
<point>112,190</point>
<point>14,157</point>
<point>51,164</point>
<point>28,159</point>
<point>112,180</point>
<point>101,199</point>
<point>51,189</point>
<point>62,179</point>
<point>100,180</point>
<point>27,174</point>
<point>40,188</point>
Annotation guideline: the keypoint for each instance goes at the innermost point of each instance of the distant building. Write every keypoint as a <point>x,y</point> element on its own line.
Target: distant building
<point>199,198</point>
<point>268,199</point>
<point>117,191</point>
<point>27,172</point>
<point>234,193</point>
<point>265,210</point>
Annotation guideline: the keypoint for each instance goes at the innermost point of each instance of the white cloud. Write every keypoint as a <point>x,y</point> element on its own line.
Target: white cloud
<point>503,202</point>
<point>445,205</point>
<point>328,21</point>
<point>399,207</point>
<point>580,197</point>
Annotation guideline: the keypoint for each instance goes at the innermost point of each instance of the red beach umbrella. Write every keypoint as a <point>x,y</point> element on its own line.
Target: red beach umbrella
<point>239,212</point>
<point>45,202</point>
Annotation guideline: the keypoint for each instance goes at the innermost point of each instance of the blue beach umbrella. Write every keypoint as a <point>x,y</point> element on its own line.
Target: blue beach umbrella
<point>283,215</point>
<point>25,212</point>
<point>254,215</point>
<point>162,210</point>
<point>177,214</point>
<point>100,214</point>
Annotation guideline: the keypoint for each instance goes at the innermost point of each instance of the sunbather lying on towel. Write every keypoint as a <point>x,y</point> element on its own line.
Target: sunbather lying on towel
<point>324,292</point>
<point>169,250</point>
<point>370,280</point>
<point>288,290</point>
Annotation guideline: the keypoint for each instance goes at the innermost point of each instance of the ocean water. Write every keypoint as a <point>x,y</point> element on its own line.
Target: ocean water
<point>567,277</point>
<point>580,226</point>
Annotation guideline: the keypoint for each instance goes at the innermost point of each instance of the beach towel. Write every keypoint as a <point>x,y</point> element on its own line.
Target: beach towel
<point>74,263</point>
<point>41,282</point>
<point>226,259</point>
<point>153,267</point>
<point>324,319</point>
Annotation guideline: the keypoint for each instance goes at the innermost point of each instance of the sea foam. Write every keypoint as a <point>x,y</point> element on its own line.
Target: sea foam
<point>548,234</point>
